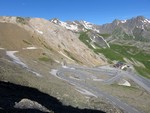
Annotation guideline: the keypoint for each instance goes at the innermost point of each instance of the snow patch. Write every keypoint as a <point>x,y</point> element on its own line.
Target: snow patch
<point>98,79</point>
<point>54,72</point>
<point>55,21</point>
<point>2,48</point>
<point>37,74</point>
<point>68,67</point>
<point>30,48</point>
<point>96,30</point>
<point>57,61</point>
<point>41,32</point>
<point>124,83</point>
<point>87,25</point>
<point>70,27</point>
<point>15,59</point>
<point>123,21</point>
<point>124,66</point>
<point>93,46</point>
<point>146,21</point>
<point>75,23</point>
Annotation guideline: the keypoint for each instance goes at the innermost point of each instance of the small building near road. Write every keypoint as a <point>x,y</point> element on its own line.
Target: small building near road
<point>121,65</point>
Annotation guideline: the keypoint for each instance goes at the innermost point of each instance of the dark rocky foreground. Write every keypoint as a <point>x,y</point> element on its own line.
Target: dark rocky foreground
<point>10,94</point>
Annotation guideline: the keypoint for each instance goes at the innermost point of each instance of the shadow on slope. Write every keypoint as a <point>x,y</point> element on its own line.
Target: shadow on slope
<point>11,93</point>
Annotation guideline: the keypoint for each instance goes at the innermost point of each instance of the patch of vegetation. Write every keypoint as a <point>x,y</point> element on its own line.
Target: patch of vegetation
<point>45,59</point>
<point>109,53</point>
<point>118,52</point>
<point>85,39</point>
<point>25,41</point>
<point>21,20</point>
<point>71,56</point>
<point>145,72</point>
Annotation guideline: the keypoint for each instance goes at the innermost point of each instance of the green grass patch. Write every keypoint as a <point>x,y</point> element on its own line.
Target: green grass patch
<point>45,59</point>
<point>118,52</point>
<point>110,54</point>
<point>143,71</point>
<point>85,39</point>
<point>122,51</point>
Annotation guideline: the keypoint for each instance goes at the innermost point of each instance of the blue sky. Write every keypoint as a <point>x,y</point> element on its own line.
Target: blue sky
<point>95,11</point>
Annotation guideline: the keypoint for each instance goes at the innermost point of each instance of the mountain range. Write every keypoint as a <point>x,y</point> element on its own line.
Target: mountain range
<point>137,28</point>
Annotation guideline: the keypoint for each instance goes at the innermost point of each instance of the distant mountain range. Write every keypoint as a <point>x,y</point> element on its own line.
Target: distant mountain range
<point>137,28</point>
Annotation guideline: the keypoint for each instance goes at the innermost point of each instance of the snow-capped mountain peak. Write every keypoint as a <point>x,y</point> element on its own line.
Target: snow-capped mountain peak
<point>76,25</point>
<point>87,25</point>
<point>123,21</point>
<point>55,20</point>
<point>69,26</point>
<point>146,21</point>
<point>130,27</point>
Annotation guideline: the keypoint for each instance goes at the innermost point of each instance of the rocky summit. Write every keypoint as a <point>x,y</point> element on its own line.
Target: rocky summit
<point>74,66</point>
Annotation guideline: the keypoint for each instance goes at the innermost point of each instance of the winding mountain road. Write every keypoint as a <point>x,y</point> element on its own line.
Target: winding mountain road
<point>79,77</point>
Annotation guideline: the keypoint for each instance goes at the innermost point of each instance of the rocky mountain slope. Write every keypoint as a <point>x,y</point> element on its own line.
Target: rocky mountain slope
<point>48,36</point>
